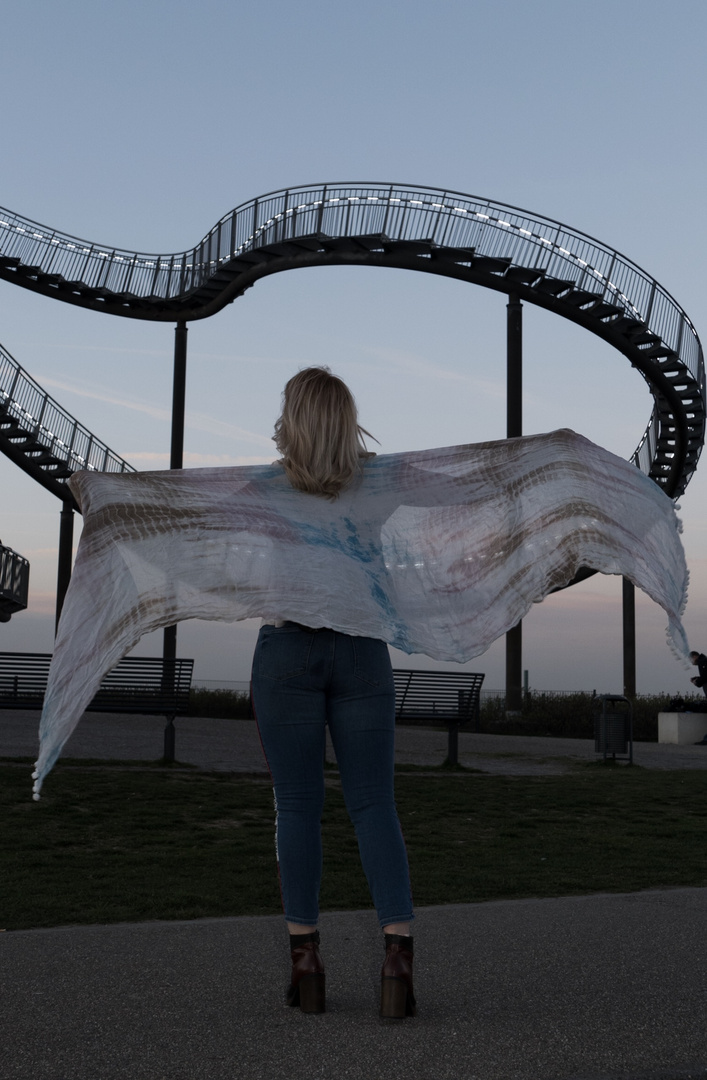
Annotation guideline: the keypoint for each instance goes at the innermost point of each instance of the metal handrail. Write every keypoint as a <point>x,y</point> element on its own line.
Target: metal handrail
<point>443,218</point>
<point>14,581</point>
<point>620,298</point>
<point>56,443</point>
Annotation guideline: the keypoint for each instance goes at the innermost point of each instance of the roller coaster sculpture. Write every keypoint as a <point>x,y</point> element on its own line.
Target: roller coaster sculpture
<point>527,256</point>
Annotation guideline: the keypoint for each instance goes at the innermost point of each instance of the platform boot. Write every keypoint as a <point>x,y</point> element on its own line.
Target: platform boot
<point>397,997</point>
<point>307,985</point>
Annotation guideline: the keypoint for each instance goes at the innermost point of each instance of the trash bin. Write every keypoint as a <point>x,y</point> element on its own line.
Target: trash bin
<point>613,726</point>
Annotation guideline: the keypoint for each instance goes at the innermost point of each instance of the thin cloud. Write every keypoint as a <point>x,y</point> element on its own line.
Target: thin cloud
<point>204,422</point>
<point>107,398</point>
<point>107,349</point>
<point>417,366</point>
<point>194,421</point>
<point>195,460</point>
<point>194,354</point>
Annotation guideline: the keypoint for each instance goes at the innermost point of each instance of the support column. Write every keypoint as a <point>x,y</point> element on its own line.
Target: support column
<point>176,457</point>
<point>514,428</point>
<point>179,388</point>
<point>629,628</point>
<point>66,545</point>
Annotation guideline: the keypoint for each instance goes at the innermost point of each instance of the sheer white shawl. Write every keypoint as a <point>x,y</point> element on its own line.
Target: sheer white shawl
<point>436,551</point>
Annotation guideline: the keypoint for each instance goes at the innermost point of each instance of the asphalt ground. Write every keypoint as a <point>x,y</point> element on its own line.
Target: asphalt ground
<point>602,987</point>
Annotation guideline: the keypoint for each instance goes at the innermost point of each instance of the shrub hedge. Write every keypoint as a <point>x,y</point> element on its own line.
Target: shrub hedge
<point>569,716</point>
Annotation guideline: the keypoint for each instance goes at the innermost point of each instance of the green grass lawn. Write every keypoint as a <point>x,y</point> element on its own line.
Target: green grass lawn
<point>109,844</point>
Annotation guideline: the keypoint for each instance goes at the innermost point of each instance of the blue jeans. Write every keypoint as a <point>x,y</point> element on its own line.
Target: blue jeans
<point>303,680</point>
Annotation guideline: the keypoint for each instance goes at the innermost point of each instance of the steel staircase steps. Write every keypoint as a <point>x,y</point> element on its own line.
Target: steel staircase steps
<point>490,265</point>
<point>553,286</point>
<point>339,243</point>
<point>477,240</point>
<point>369,242</point>
<point>625,324</point>
<point>29,446</point>
<point>524,274</point>
<point>408,247</point>
<point>314,242</point>
<point>604,310</point>
<point>671,369</point>
<point>80,288</point>
<point>452,255</point>
<point>256,255</point>
<point>645,337</point>
<point>47,445</point>
<point>656,351</point>
<point>59,472</point>
<point>28,271</point>
<point>580,298</point>
<point>280,249</point>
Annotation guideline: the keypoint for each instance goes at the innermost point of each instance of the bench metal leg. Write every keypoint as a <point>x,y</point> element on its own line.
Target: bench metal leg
<point>453,744</point>
<point>169,741</point>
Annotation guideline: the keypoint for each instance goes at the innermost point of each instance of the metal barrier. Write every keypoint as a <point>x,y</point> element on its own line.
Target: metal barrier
<point>14,583</point>
<point>42,437</point>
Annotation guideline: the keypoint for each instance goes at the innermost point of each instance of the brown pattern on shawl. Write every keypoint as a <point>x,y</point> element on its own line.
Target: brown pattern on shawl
<point>437,552</point>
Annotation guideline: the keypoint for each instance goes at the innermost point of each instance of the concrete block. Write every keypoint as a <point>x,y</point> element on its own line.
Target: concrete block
<point>681,728</point>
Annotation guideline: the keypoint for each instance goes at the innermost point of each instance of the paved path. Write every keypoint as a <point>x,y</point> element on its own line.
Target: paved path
<point>234,746</point>
<point>581,988</point>
<point>604,987</point>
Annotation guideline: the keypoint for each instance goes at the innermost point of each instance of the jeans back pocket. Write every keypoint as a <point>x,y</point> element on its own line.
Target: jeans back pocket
<point>282,652</point>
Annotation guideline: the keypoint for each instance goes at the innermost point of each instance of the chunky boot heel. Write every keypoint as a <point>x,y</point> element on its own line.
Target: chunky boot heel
<point>307,988</point>
<point>312,998</point>
<point>397,997</point>
<point>394,994</point>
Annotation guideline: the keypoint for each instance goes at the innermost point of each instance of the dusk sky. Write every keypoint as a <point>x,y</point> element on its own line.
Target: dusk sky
<point>139,124</point>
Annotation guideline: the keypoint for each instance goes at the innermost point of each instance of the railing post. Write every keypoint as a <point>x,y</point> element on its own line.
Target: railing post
<point>283,235</point>
<point>320,214</point>
<point>651,298</point>
<point>232,241</point>
<point>41,414</point>
<point>514,428</point>
<point>11,391</point>
<point>70,446</point>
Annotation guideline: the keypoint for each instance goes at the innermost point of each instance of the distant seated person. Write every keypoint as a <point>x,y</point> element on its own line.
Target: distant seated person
<point>700,662</point>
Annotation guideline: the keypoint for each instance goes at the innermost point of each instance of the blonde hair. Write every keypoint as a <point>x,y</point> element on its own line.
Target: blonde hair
<point>318,433</point>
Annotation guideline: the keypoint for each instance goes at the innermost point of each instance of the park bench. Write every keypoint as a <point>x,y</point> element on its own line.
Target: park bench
<point>148,685</point>
<point>439,697</point>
